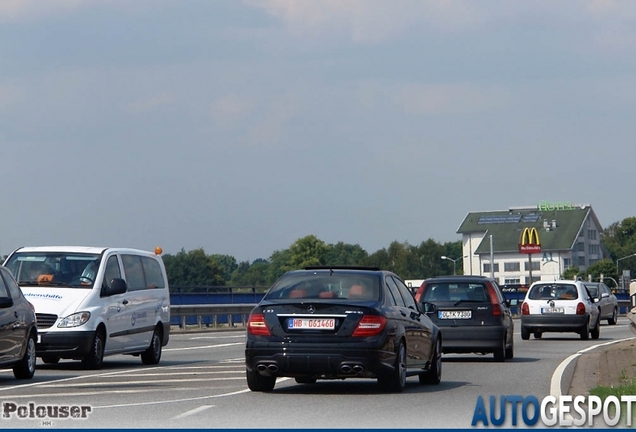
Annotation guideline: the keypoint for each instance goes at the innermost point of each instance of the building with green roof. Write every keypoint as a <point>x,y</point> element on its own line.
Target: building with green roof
<point>566,235</point>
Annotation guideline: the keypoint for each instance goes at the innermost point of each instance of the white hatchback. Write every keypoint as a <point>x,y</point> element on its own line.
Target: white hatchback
<point>559,306</point>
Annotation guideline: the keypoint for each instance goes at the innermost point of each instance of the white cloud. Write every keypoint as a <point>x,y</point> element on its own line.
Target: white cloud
<point>449,98</point>
<point>231,108</point>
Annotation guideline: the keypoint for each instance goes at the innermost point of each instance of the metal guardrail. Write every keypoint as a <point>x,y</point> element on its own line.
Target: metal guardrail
<point>214,310</point>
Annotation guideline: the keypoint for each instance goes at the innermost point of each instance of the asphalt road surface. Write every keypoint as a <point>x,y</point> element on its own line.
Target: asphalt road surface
<point>200,383</point>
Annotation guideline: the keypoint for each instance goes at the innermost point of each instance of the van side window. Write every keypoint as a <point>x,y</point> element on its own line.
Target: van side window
<point>13,287</point>
<point>134,272</point>
<point>152,271</point>
<point>112,271</point>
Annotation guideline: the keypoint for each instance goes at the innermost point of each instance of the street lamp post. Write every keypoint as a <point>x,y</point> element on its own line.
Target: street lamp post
<point>625,257</point>
<point>444,257</point>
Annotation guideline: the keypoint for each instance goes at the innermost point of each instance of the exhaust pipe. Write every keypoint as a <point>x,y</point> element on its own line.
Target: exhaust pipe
<point>358,369</point>
<point>345,368</point>
<point>272,367</point>
<point>261,367</point>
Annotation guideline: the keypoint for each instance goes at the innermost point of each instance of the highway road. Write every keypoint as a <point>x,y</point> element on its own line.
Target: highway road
<point>200,383</point>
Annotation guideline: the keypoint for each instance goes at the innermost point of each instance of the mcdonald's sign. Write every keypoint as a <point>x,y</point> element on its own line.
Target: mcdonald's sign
<point>530,242</point>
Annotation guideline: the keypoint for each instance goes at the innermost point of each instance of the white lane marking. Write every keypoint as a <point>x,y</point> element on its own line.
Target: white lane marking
<point>204,347</point>
<point>217,337</point>
<point>180,380</point>
<point>37,384</point>
<point>182,400</point>
<point>192,412</point>
<point>557,376</point>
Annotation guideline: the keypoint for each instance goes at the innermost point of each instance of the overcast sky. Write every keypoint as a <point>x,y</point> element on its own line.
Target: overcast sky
<point>241,126</point>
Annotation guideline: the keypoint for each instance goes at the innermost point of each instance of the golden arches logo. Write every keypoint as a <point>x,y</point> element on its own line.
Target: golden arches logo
<point>530,242</point>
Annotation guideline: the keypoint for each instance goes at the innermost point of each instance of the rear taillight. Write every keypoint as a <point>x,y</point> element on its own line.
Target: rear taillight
<point>494,300</point>
<point>525,309</point>
<point>256,325</point>
<point>580,309</point>
<point>370,325</point>
<point>419,295</point>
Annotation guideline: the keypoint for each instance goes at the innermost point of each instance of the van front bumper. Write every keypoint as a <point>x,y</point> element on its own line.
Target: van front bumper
<point>68,345</point>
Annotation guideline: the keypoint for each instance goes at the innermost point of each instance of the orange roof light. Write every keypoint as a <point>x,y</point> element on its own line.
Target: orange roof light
<point>158,250</point>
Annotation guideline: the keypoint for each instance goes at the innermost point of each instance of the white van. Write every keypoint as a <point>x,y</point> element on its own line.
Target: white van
<point>92,302</point>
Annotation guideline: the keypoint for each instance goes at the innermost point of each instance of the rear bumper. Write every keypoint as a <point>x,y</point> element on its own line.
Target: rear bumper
<point>70,345</point>
<point>554,323</point>
<point>472,339</point>
<point>326,361</point>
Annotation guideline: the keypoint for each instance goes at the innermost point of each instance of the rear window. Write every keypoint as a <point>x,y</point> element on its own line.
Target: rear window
<point>320,286</point>
<point>445,291</point>
<point>553,292</point>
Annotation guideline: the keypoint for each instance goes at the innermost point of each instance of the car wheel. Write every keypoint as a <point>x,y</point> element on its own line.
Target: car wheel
<point>596,332</point>
<point>50,359</point>
<point>260,383</point>
<point>614,318</point>
<point>25,369</point>
<point>396,380</point>
<point>525,333</point>
<point>434,374</point>
<point>305,380</point>
<point>500,352</point>
<point>510,351</point>
<point>95,357</point>
<point>537,335</point>
<point>585,331</point>
<point>152,355</point>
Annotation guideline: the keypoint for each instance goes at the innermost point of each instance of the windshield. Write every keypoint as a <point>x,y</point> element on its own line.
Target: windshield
<point>76,270</point>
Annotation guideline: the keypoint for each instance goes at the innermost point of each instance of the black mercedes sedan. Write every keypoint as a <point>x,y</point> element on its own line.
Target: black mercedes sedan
<point>337,323</point>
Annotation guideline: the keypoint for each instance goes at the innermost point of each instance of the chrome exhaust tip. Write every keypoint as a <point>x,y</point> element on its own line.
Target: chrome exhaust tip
<point>261,367</point>
<point>272,367</point>
<point>358,369</point>
<point>345,368</point>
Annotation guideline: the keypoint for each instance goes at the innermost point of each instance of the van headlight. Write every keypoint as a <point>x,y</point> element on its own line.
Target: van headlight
<point>75,320</point>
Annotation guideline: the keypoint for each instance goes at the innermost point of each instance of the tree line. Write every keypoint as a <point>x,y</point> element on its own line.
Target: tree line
<point>195,268</point>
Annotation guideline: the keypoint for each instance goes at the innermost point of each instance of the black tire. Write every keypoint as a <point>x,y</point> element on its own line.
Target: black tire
<point>614,319</point>
<point>260,383</point>
<point>25,368</point>
<point>50,359</point>
<point>500,352</point>
<point>525,333</point>
<point>396,380</point>
<point>538,335</point>
<point>585,331</point>
<point>305,380</point>
<point>510,351</point>
<point>434,374</point>
<point>596,332</point>
<point>95,358</point>
<point>152,355</point>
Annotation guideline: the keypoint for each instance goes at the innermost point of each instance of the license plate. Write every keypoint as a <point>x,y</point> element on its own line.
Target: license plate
<point>455,314</point>
<point>311,323</point>
<point>555,310</point>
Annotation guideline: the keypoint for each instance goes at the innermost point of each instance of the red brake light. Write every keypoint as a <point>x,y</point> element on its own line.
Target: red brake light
<point>419,295</point>
<point>494,300</point>
<point>370,325</point>
<point>580,309</point>
<point>525,309</point>
<point>256,325</point>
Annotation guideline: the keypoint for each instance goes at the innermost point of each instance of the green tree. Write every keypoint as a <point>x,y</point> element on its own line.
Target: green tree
<point>308,251</point>
<point>571,273</point>
<point>193,268</point>
<point>345,254</point>
<point>227,263</point>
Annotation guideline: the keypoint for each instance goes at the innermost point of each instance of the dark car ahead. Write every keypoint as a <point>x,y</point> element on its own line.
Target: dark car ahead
<point>18,332</point>
<point>337,323</point>
<point>472,313</point>
<point>605,299</point>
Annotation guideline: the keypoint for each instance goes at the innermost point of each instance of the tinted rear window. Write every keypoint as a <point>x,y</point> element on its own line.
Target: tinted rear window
<point>553,291</point>
<point>450,291</point>
<point>318,286</point>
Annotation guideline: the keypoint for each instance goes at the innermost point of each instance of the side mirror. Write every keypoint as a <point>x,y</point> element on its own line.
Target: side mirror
<point>6,302</point>
<point>429,308</point>
<point>117,286</point>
